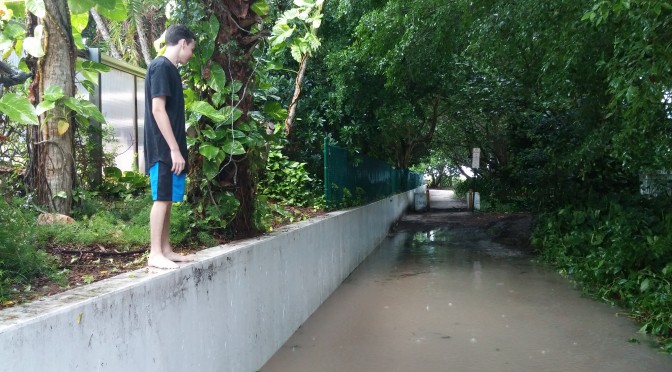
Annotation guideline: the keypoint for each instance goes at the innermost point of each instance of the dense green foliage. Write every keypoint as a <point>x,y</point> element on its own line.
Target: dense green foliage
<point>20,262</point>
<point>618,252</point>
<point>228,115</point>
<point>281,177</point>
<point>569,102</point>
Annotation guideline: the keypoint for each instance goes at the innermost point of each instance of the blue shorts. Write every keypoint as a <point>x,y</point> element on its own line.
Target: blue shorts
<point>166,185</point>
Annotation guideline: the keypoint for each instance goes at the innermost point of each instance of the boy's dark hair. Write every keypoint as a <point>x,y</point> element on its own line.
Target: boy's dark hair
<point>175,33</point>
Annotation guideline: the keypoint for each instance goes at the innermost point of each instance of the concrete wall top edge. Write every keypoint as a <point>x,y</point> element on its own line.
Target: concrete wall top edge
<point>34,311</point>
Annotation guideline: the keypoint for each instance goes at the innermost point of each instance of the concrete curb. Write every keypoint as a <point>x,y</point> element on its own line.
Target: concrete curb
<point>229,311</point>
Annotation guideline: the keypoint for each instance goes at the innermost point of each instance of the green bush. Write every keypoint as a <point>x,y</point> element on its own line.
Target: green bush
<point>288,182</point>
<point>20,261</point>
<point>619,251</point>
<point>123,225</point>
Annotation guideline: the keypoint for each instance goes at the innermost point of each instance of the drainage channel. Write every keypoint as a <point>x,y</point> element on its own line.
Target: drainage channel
<point>452,300</point>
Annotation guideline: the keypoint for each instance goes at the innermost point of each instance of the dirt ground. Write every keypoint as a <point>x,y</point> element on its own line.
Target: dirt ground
<point>445,210</point>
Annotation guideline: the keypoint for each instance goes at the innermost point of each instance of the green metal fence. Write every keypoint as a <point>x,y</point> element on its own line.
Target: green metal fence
<point>352,180</point>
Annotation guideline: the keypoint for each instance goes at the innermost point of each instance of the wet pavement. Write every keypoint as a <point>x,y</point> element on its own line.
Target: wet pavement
<point>450,299</point>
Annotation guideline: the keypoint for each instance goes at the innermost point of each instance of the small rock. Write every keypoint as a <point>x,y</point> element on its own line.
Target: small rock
<point>53,218</point>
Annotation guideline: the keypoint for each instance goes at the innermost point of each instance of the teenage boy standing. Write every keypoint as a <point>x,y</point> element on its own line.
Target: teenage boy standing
<point>165,141</point>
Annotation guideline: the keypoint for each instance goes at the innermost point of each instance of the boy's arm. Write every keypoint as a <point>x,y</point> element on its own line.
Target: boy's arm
<point>162,120</point>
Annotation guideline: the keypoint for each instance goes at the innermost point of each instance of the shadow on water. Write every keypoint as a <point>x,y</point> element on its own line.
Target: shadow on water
<point>453,300</point>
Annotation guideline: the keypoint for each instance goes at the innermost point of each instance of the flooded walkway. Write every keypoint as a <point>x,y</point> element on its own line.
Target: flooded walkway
<point>452,300</point>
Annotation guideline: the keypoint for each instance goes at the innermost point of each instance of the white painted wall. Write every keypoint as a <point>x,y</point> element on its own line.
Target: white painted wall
<point>230,311</point>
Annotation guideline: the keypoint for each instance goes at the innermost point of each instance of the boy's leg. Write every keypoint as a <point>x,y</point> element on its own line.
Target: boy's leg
<point>166,248</point>
<point>157,222</point>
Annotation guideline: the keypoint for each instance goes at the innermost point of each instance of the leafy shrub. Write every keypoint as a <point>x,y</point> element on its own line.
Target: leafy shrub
<point>619,251</point>
<point>20,261</point>
<point>287,181</point>
<point>265,213</point>
<point>121,184</point>
<point>101,228</point>
<point>120,224</point>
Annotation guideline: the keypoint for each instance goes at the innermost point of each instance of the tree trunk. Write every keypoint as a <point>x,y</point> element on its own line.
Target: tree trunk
<point>142,38</point>
<point>102,28</point>
<point>236,19</point>
<point>57,68</point>
<point>295,99</point>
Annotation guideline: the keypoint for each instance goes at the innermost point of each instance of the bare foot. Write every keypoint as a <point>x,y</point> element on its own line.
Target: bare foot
<point>161,262</point>
<point>176,257</point>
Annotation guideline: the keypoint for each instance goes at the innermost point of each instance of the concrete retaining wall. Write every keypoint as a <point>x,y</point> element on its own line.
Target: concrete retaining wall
<point>229,311</point>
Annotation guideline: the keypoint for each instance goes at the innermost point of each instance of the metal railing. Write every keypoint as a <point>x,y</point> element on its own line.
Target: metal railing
<point>352,180</point>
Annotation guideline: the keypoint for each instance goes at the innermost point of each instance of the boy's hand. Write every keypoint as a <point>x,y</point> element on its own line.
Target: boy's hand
<point>178,161</point>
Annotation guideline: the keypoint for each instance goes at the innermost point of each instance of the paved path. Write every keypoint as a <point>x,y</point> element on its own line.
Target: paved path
<point>450,299</point>
<point>445,199</point>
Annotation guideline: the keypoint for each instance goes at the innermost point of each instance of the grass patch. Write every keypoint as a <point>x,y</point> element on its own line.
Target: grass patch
<point>20,261</point>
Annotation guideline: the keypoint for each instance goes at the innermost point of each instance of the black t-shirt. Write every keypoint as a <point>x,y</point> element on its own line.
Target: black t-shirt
<point>163,79</point>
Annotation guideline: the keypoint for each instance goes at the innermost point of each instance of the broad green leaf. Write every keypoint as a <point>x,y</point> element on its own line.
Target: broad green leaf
<point>79,41</point>
<point>237,134</point>
<point>63,127</point>
<point>90,70</point>
<point>260,8</point>
<point>204,108</point>
<point>33,44</point>
<point>18,108</point>
<point>280,33</point>
<point>667,269</point>
<point>80,6</point>
<point>234,87</point>
<point>117,13</point>
<point>644,286</point>
<point>209,151</point>
<point>275,65</point>
<point>213,28</point>
<point>13,31</point>
<point>53,93</point>
<point>233,147</point>
<point>296,53</point>
<point>211,169</point>
<point>6,43</point>
<point>313,41</point>
<point>276,111</point>
<point>231,114</point>
<point>317,22</point>
<point>245,127</point>
<point>112,172</point>
<point>79,21</point>
<point>217,80</point>
<point>89,86</point>
<point>44,106</point>
<point>218,98</point>
<point>93,66</point>
<point>90,76</point>
<point>106,4</point>
<point>84,108</point>
<point>36,7</point>
<point>255,139</point>
<point>18,50</point>
<point>209,133</point>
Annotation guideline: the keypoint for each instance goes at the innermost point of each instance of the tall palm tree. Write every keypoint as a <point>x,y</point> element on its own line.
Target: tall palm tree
<point>130,39</point>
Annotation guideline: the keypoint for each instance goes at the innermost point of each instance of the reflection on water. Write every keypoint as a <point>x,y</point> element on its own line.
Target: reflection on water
<point>452,300</point>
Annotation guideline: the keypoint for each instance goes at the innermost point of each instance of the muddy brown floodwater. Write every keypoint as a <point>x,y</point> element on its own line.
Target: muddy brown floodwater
<point>452,300</point>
